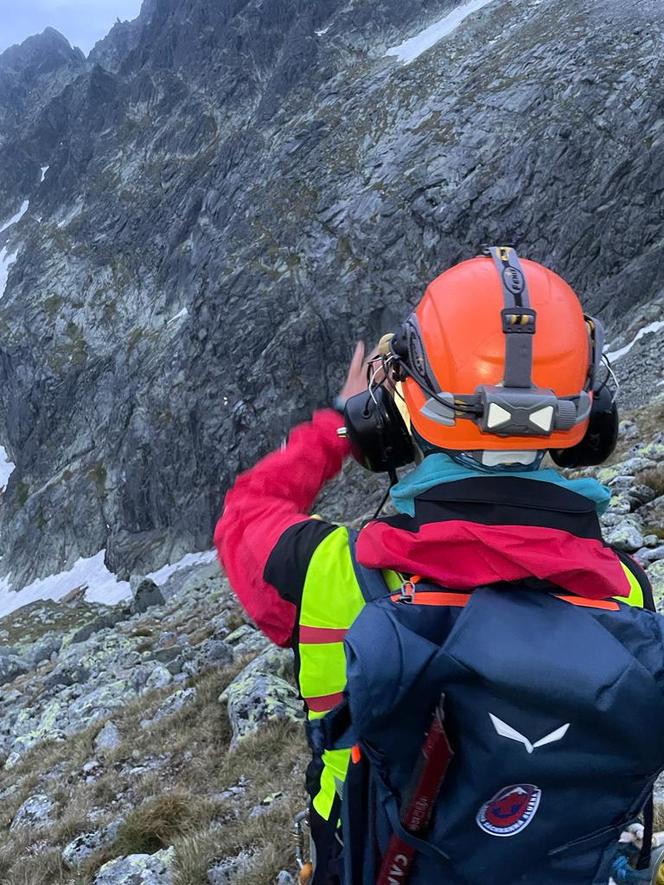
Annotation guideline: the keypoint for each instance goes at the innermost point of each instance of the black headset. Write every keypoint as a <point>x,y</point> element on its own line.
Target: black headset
<point>381,442</point>
<point>377,433</point>
<point>600,438</point>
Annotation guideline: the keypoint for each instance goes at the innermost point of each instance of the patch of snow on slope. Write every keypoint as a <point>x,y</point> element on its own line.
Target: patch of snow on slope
<point>44,170</point>
<point>178,316</point>
<point>164,573</point>
<point>102,586</point>
<point>6,468</point>
<point>6,261</point>
<point>16,218</point>
<point>646,330</point>
<point>411,49</point>
<point>322,31</point>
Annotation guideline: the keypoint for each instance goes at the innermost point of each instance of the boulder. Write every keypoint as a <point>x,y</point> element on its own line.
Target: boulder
<point>173,704</point>
<point>97,704</point>
<point>626,535</point>
<point>628,429</point>
<point>215,652</point>
<point>226,871</point>
<point>35,812</point>
<point>630,467</point>
<point>103,622</point>
<point>138,869</point>
<point>654,450</point>
<point>109,738</point>
<point>247,640</point>
<point>654,554</point>
<point>160,677</point>
<point>76,852</point>
<point>147,594</point>
<point>639,494</point>
<point>44,650</point>
<point>652,513</point>
<point>260,694</point>
<point>11,666</point>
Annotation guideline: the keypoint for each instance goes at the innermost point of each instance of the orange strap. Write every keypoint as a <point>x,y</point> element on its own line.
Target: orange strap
<point>583,602</point>
<point>435,597</point>
<point>459,600</point>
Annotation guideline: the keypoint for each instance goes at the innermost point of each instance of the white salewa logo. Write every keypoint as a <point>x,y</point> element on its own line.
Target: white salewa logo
<point>505,730</point>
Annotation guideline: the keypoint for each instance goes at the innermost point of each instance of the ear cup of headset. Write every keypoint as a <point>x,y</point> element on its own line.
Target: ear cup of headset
<point>601,436</point>
<point>377,433</point>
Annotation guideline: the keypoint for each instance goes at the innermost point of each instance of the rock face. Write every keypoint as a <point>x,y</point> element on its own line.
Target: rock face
<point>237,190</point>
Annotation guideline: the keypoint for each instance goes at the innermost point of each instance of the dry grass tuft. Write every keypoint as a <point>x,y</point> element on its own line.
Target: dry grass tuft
<point>44,868</point>
<point>142,630</point>
<point>200,635</point>
<point>194,856</point>
<point>653,478</point>
<point>157,822</point>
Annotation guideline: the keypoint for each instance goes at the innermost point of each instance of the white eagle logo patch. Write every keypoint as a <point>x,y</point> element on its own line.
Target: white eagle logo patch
<point>505,730</point>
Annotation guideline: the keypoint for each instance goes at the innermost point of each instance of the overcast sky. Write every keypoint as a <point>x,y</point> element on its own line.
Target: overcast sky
<point>83,22</point>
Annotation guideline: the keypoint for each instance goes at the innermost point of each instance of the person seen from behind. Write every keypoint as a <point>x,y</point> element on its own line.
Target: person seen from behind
<point>476,669</point>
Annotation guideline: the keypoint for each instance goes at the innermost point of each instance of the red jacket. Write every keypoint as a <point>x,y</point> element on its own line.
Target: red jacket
<point>460,537</point>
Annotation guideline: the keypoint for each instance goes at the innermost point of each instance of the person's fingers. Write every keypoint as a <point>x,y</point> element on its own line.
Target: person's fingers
<point>358,358</point>
<point>373,354</point>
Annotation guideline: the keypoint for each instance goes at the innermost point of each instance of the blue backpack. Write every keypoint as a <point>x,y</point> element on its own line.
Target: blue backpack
<point>554,712</point>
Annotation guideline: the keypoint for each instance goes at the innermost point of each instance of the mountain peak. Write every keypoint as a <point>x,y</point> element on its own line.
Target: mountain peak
<point>40,53</point>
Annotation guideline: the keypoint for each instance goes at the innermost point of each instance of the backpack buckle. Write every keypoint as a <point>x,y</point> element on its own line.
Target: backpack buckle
<point>408,591</point>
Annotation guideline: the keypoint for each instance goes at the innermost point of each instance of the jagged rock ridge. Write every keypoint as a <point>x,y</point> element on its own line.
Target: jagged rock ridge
<point>237,190</point>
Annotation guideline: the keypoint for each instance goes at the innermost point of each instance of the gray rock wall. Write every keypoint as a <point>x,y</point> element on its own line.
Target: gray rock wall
<point>233,198</point>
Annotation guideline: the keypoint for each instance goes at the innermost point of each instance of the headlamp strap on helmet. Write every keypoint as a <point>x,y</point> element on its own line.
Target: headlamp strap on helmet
<point>519,319</point>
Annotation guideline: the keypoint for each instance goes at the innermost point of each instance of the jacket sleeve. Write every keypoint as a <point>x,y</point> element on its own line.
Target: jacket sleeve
<point>264,504</point>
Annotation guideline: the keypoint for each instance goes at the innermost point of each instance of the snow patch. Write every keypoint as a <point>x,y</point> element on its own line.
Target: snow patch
<point>187,561</point>
<point>323,31</point>
<point>16,218</point>
<point>178,316</point>
<point>411,49</point>
<point>44,170</point>
<point>6,261</point>
<point>615,355</point>
<point>6,468</point>
<point>102,586</point>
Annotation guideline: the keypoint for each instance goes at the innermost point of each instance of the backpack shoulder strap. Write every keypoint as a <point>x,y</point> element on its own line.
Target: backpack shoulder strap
<point>371,581</point>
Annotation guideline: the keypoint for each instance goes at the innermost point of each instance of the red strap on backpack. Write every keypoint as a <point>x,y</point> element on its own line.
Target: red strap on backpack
<point>418,804</point>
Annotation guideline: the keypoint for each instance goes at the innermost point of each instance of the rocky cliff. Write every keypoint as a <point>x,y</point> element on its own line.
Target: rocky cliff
<point>209,208</point>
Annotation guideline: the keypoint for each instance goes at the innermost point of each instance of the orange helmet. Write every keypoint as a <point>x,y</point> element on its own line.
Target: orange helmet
<point>498,355</point>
